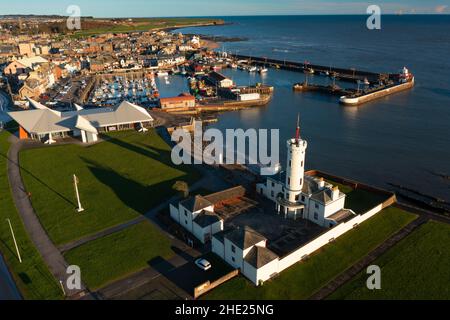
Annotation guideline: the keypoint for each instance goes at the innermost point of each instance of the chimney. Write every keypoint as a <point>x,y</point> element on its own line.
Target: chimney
<point>335,193</point>
<point>321,183</point>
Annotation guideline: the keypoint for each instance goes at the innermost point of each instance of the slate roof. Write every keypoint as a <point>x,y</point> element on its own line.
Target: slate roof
<point>245,237</point>
<point>260,256</point>
<point>206,218</point>
<point>196,203</point>
<point>342,215</point>
<point>235,192</point>
<point>323,196</point>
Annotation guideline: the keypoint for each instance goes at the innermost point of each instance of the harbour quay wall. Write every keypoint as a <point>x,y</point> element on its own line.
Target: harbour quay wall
<point>357,100</point>
<point>344,74</point>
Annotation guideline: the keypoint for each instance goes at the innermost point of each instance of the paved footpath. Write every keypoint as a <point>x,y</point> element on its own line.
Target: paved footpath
<point>51,255</point>
<point>354,270</point>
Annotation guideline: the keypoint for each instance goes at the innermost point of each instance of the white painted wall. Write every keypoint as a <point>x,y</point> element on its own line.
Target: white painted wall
<point>270,189</point>
<point>217,247</point>
<point>174,213</point>
<point>325,238</point>
<point>250,272</point>
<point>264,273</point>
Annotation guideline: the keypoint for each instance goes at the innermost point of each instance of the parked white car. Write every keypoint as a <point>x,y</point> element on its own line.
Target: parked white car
<point>203,264</point>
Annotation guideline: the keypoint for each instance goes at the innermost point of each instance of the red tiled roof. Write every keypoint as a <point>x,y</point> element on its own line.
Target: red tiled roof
<point>178,99</point>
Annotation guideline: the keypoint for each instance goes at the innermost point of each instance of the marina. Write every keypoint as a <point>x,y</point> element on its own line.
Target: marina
<point>375,85</point>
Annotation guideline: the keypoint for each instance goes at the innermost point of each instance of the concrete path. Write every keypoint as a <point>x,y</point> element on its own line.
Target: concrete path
<point>8,289</point>
<point>149,276</point>
<point>51,255</point>
<point>71,245</point>
<point>361,265</point>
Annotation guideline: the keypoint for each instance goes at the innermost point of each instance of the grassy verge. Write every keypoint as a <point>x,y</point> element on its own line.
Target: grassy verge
<point>120,254</point>
<point>32,276</point>
<point>359,200</point>
<point>303,279</point>
<point>120,179</point>
<point>145,24</point>
<point>416,268</point>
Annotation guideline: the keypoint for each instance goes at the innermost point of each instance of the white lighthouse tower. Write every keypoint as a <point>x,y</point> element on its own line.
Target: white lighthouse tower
<point>291,203</point>
<point>295,166</point>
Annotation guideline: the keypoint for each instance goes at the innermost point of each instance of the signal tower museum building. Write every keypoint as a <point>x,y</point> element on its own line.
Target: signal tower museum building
<point>299,196</point>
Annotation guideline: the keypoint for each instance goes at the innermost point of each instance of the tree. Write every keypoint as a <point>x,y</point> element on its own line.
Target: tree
<point>182,187</point>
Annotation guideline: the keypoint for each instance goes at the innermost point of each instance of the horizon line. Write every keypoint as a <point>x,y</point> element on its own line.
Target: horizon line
<point>237,15</point>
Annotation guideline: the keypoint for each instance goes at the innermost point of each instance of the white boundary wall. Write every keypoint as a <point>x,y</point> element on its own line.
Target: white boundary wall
<point>325,238</point>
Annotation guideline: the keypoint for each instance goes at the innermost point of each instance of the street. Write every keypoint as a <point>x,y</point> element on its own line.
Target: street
<point>8,289</point>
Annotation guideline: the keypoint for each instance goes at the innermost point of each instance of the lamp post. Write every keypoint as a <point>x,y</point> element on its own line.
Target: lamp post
<point>15,242</point>
<point>75,183</point>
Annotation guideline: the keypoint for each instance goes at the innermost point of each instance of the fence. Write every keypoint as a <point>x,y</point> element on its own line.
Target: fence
<point>207,286</point>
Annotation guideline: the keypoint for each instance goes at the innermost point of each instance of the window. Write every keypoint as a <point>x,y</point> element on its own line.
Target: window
<point>233,259</point>
<point>316,216</point>
<point>303,198</point>
<point>273,184</point>
<point>316,205</point>
<point>301,181</point>
<point>185,213</point>
<point>290,163</point>
<point>302,163</point>
<point>272,194</point>
<point>289,181</point>
<point>296,197</point>
<point>185,222</point>
<point>233,249</point>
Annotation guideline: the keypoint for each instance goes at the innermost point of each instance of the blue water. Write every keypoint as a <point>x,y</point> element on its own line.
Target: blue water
<point>397,139</point>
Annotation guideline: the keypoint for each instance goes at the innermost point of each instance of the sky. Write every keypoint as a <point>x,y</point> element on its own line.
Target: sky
<point>177,8</point>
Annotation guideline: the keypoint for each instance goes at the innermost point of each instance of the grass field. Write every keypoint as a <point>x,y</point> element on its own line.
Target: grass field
<point>140,24</point>
<point>359,200</point>
<point>416,268</point>
<point>117,255</point>
<point>32,276</point>
<point>303,279</point>
<point>120,179</point>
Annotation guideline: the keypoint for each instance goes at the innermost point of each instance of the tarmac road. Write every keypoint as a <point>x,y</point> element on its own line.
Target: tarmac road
<point>8,289</point>
<point>4,101</point>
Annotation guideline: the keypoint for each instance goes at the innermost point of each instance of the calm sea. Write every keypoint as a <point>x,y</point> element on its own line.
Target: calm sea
<point>400,139</point>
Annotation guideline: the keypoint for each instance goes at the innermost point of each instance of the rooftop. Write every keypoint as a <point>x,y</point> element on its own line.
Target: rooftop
<point>245,237</point>
<point>260,256</point>
<point>43,120</point>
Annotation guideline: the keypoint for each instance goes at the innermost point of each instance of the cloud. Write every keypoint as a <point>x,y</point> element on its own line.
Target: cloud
<point>440,9</point>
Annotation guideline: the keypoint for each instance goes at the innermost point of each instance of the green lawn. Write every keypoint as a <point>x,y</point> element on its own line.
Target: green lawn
<point>120,179</point>
<point>32,276</point>
<point>303,279</point>
<point>359,200</point>
<point>115,256</point>
<point>417,268</point>
<point>145,24</point>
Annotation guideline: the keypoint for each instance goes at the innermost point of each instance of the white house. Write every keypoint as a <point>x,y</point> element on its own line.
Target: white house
<point>196,214</point>
<point>245,249</point>
<point>300,196</point>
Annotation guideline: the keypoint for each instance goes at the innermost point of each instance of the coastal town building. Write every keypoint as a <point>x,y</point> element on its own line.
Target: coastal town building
<point>219,80</point>
<point>44,124</point>
<point>184,100</point>
<point>275,236</point>
<point>201,215</point>
<point>299,196</point>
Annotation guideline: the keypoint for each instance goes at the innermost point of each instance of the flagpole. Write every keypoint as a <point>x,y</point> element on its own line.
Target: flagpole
<point>14,238</point>
<point>75,183</point>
